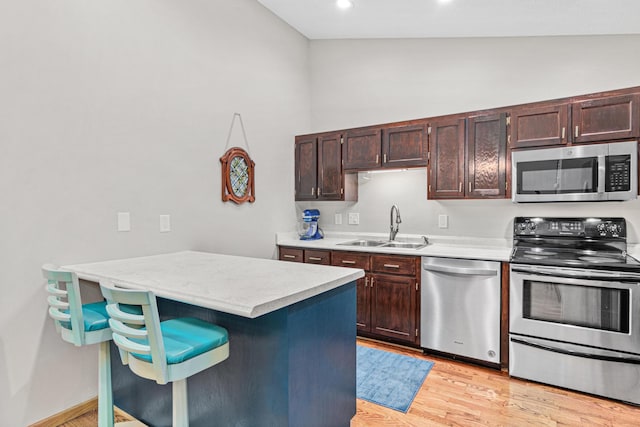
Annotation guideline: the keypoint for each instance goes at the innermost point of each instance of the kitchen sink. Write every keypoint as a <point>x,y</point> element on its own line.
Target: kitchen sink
<point>405,245</point>
<point>363,243</point>
<point>383,244</point>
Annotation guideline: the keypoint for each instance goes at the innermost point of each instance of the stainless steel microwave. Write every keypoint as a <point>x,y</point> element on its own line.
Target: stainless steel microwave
<point>597,172</point>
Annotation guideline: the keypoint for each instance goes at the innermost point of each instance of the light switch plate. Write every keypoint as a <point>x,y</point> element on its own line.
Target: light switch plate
<point>443,221</point>
<point>354,218</point>
<point>165,223</point>
<point>124,221</point>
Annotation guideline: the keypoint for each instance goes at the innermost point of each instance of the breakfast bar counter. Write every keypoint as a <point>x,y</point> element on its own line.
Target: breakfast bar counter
<point>291,336</point>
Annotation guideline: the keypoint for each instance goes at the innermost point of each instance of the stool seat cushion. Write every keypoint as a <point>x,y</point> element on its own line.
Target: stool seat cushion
<point>95,317</point>
<point>187,337</point>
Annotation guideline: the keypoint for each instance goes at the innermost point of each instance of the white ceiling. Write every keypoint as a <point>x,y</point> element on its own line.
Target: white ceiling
<point>321,19</point>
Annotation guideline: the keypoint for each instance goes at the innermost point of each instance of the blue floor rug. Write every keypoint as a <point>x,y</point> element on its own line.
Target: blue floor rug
<point>389,379</point>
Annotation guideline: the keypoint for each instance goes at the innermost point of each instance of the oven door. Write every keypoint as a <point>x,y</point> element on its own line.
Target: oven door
<point>579,306</point>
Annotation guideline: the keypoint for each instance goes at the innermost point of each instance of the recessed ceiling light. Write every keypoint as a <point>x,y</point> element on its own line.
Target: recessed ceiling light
<point>344,4</point>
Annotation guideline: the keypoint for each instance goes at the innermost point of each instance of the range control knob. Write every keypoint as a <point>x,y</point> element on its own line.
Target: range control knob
<point>615,229</point>
<point>532,226</point>
<point>602,228</point>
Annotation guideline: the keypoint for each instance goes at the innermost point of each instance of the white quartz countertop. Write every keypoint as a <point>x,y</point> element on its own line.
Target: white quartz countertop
<point>439,246</point>
<point>248,287</point>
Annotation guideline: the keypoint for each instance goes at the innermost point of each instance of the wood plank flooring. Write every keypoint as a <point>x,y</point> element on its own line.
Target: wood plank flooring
<point>459,394</point>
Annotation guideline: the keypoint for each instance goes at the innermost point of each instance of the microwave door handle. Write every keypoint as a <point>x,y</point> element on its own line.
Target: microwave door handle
<point>602,162</point>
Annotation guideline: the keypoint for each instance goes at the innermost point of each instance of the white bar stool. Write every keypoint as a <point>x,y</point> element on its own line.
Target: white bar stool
<point>82,325</point>
<point>168,351</point>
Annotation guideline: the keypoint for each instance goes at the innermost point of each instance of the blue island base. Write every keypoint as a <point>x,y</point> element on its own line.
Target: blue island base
<point>295,367</point>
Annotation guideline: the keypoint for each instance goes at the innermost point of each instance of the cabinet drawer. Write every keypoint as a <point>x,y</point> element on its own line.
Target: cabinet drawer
<point>394,264</point>
<point>291,254</point>
<point>350,259</point>
<point>317,257</point>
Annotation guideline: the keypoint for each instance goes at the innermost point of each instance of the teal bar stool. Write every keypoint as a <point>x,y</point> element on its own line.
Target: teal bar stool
<point>82,325</point>
<point>167,351</point>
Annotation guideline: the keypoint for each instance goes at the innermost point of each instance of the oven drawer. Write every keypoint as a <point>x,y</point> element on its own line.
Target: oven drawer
<point>601,372</point>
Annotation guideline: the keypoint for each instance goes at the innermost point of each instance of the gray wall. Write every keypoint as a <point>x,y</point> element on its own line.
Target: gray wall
<point>125,106</point>
<point>365,82</point>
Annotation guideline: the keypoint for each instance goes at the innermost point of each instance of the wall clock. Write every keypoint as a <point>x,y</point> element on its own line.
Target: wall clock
<point>237,176</point>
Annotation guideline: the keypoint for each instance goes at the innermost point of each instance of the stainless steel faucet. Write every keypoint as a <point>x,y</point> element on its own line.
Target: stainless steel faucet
<point>394,230</point>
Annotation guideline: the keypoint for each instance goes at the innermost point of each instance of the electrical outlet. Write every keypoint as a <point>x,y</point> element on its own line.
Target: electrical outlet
<point>124,221</point>
<point>443,221</point>
<point>165,223</point>
<point>354,218</point>
<point>337,219</point>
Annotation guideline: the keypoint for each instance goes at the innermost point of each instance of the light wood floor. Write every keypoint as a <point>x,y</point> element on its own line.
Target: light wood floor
<point>459,394</point>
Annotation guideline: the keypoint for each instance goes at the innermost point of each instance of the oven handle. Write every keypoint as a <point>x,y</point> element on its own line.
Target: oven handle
<point>631,360</point>
<point>589,274</point>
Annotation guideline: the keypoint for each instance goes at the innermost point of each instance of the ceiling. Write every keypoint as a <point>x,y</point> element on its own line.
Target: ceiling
<point>321,19</point>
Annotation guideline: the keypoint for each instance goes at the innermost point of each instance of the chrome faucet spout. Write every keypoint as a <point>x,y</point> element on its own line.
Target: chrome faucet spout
<point>395,225</point>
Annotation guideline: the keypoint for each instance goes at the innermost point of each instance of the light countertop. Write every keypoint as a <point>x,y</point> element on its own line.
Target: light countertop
<point>439,246</point>
<point>248,287</point>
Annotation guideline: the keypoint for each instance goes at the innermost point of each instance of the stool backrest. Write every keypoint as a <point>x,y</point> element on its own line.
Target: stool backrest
<point>136,333</point>
<point>65,304</point>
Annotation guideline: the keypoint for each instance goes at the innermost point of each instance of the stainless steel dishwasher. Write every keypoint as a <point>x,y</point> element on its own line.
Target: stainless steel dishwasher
<point>460,307</point>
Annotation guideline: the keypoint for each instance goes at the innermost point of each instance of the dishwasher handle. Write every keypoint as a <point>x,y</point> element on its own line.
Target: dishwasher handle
<point>460,270</point>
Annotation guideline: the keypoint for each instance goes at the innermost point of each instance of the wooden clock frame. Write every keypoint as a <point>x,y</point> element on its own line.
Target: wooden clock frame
<point>227,187</point>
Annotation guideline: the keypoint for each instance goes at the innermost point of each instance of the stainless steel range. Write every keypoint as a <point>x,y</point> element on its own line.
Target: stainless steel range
<point>574,298</point>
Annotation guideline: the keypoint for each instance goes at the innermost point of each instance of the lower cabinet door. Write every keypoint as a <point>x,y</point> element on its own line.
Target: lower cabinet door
<point>363,304</point>
<point>393,306</point>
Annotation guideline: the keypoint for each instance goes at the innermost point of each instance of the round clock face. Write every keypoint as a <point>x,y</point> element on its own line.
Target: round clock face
<point>239,176</point>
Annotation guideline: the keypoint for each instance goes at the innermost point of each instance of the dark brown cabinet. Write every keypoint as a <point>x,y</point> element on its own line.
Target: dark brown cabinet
<point>361,149</point>
<point>486,156</point>
<point>290,254</point>
<point>603,119</point>
<point>388,295</point>
<point>584,121</point>
<point>468,157</point>
<point>318,169</point>
<point>390,147</point>
<point>309,256</point>
<point>404,146</point>
<point>446,153</point>
<point>539,126</point>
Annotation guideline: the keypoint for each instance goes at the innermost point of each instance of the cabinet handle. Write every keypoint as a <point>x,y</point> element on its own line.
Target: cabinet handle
<point>460,187</point>
<point>348,261</point>
<point>319,192</point>
<point>314,258</point>
<point>577,131</point>
<point>372,282</point>
<point>384,158</point>
<point>377,158</point>
<point>313,191</point>
<point>391,266</point>
<point>469,186</point>
<point>288,256</point>
<point>563,132</point>
<point>366,282</point>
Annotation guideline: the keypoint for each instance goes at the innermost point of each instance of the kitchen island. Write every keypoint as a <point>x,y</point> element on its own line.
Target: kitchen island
<point>291,336</point>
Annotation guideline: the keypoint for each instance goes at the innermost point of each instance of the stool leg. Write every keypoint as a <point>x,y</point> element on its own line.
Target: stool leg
<point>105,396</point>
<point>180,404</point>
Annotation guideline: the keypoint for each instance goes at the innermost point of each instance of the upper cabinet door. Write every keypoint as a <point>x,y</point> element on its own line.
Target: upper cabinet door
<point>361,149</point>
<point>306,162</point>
<point>606,119</point>
<point>486,156</point>
<point>404,146</point>
<point>446,151</point>
<point>329,167</point>
<point>535,127</point>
